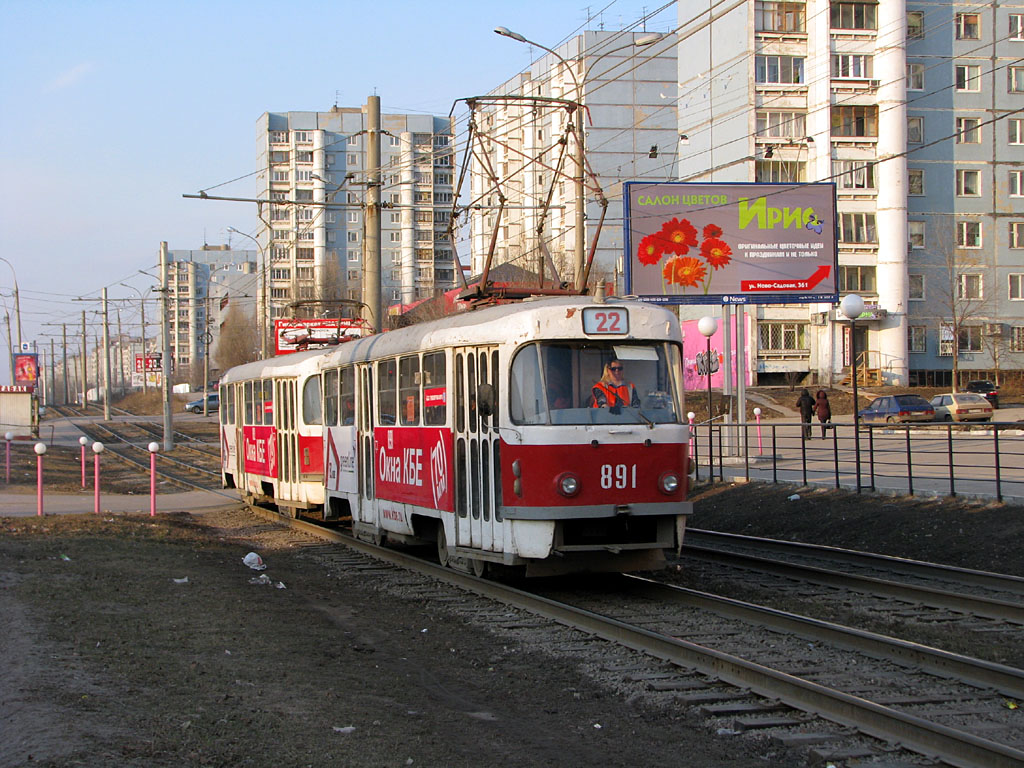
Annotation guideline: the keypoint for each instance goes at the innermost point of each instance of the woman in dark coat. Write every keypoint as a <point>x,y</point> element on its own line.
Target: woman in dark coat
<point>806,406</point>
<point>823,409</point>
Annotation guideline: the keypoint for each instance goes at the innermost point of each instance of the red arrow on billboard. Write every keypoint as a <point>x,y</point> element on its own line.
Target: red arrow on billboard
<point>787,285</point>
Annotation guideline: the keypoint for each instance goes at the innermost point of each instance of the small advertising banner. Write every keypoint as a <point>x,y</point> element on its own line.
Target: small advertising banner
<point>26,369</point>
<point>296,334</point>
<point>723,243</point>
<point>415,466</point>
<point>260,446</point>
<point>154,362</point>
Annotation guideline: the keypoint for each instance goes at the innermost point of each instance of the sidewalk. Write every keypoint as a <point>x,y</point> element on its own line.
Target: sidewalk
<point>24,504</point>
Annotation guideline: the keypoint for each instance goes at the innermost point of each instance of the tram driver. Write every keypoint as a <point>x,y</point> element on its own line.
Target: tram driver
<point>612,391</point>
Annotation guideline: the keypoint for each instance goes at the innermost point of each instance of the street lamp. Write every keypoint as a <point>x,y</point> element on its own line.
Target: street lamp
<point>707,326</point>
<point>17,303</point>
<point>852,306</point>
<point>263,292</point>
<point>142,309</point>
<point>580,218</point>
<point>208,339</point>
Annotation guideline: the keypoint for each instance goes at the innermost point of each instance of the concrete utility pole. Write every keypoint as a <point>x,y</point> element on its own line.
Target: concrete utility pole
<point>85,365</point>
<point>10,345</point>
<point>166,332</point>
<point>106,359</point>
<point>64,332</point>
<point>53,374</point>
<point>371,250</point>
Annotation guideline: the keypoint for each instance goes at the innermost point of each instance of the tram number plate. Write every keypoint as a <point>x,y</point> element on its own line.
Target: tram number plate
<point>599,320</point>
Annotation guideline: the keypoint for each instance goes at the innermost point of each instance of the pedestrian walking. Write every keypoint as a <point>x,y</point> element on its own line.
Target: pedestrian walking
<point>823,410</point>
<point>806,407</point>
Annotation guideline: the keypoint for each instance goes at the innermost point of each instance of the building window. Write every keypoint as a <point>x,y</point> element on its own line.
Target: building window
<point>915,286</point>
<point>279,213</point>
<point>1015,127</point>
<point>778,17</point>
<point>444,179</point>
<point>915,130</point>
<point>331,217</point>
<point>1016,183</point>
<point>968,183</point>
<point>1017,338</point>
<point>916,335</point>
<point>304,195</point>
<point>969,338</point>
<point>352,160</point>
<point>853,174</point>
<point>353,140</point>
<point>945,339</point>
<point>779,171</point>
<point>851,65</point>
<point>857,279</point>
<point>855,121</point>
<point>304,157</point>
<point>969,286</point>
<point>968,77</point>
<point>330,159</point>
<point>915,25</point>
<point>854,16</point>
<point>1017,234</point>
<point>1016,287</point>
<point>279,157</point>
<point>915,233</point>
<point>1016,79</point>
<point>278,137</point>
<point>277,175</point>
<point>968,130</point>
<point>303,137</point>
<point>968,234</point>
<point>782,337</point>
<point>352,237</point>
<point>332,237</point>
<point>304,254</point>
<point>1017,26</point>
<point>915,77</point>
<point>778,69</point>
<point>303,175</point>
<point>353,256</point>
<point>282,234</point>
<point>393,141</point>
<point>280,274</point>
<point>781,125</point>
<point>278,253</point>
<point>968,26</point>
<point>394,237</point>
<point>306,235</point>
<point>857,228</point>
<point>352,217</point>
<point>915,181</point>
<point>306,214</point>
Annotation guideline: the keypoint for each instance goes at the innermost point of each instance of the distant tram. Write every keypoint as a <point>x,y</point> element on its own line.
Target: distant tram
<point>480,433</point>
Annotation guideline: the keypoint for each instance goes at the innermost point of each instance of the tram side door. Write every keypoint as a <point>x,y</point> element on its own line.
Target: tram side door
<point>364,439</point>
<point>284,405</point>
<point>478,516</point>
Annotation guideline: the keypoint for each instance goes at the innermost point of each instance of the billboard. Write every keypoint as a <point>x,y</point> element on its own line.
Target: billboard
<point>26,369</point>
<point>731,243</point>
<point>153,362</point>
<point>295,334</point>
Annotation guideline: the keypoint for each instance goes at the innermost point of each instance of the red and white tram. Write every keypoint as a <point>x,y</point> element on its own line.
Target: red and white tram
<point>478,431</point>
<point>271,431</point>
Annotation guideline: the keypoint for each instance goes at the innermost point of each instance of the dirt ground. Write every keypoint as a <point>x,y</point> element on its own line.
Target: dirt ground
<point>109,657</point>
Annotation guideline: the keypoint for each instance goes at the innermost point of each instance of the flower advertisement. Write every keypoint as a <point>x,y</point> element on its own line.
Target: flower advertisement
<point>697,243</point>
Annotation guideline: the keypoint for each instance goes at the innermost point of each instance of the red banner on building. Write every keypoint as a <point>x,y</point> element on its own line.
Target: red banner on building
<point>414,465</point>
<point>296,334</point>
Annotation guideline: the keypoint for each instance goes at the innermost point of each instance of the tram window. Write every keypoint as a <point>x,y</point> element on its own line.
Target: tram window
<point>248,402</point>
<point>409,390</point>
<point>525,400</point>
<point>471,381</point>
<point>460,408</point>
<point>268,401</point>
<point>311,413</point>
<point>496,383</point>
<point>483,379</point>
<point>387,382</point>
<point>348,396</point>
<point>435,394</point>
<point>229,412</point>
<point>331,398</point>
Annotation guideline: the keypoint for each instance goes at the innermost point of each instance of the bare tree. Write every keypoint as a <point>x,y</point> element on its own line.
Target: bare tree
<point>239,340</point>
<point>959,278</point>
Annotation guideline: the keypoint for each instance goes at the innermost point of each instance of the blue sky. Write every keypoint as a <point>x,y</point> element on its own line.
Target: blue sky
<point>110,111</point>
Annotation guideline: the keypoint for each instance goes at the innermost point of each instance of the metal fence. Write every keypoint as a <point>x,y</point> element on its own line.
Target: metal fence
<point>977,460</point>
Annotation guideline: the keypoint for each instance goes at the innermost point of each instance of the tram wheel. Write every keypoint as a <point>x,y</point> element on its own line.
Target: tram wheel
<point>379,537</point>
<point>442,546</point>
<point>479,567</point>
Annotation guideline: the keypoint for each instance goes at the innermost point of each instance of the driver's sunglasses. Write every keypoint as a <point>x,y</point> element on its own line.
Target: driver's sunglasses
<point>614,367</point>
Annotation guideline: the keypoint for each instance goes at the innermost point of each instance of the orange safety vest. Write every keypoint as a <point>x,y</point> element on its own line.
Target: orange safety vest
<point>611,393</point>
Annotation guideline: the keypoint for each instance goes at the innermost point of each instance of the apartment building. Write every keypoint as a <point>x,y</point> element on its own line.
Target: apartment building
<point>627,80</point>
<point>314,173</point>
<point>201,287</point>
<point>906,107</point>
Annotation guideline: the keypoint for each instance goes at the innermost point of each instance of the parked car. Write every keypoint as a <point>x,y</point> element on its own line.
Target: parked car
<point>897,408</point>
<point>196,406</point>
<point>986,388</point>
<point>962,406</point>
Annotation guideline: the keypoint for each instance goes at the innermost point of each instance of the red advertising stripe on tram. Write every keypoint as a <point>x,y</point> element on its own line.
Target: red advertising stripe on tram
<point>414,465</point>
<point>260,445</point>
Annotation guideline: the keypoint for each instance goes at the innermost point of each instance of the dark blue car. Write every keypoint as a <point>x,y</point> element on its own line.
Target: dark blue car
<point>893,409</point>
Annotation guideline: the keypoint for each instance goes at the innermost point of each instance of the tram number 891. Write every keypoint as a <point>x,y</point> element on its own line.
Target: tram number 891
<point>618,476</point>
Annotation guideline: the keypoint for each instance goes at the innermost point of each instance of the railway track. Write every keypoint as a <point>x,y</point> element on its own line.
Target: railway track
<point>835,692</point>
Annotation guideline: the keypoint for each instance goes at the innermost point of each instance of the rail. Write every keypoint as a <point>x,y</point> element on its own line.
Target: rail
<point>935,459</point>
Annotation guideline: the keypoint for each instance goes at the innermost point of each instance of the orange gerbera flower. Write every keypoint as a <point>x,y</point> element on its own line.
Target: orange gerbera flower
<point>712,230</point>
<point>684,271</point>
<point>651,249</point>
<point>680,234</point>
<point>717,252</point>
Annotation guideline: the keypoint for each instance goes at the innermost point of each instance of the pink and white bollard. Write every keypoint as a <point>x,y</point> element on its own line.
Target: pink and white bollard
<point>40,449</point>
<point>757,415</point>
<point>690,417</point>
<point>8,437</point>
<point>153,448</point>
<point>97,448</point>
<point>83,441</point>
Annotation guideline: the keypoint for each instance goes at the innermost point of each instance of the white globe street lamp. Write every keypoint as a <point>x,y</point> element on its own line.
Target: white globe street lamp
<point>852,306</point>
<point>707,326</point>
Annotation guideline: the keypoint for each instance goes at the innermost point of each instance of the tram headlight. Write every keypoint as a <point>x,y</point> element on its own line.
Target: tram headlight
<point>568,484</point>
<point>668,482</point>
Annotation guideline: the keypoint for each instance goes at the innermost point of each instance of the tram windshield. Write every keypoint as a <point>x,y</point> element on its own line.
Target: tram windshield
<point>582,382</point>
